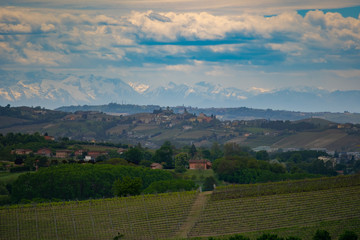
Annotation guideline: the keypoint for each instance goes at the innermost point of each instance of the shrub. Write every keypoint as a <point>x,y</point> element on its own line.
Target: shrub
<point>19,169</point>
<point>322,235</point>
<point>209,183</point>
<point>170,186</point>
<point>268,236</point>
<point>238,237</point>
<point>348,235</point>
<point>127,186</point>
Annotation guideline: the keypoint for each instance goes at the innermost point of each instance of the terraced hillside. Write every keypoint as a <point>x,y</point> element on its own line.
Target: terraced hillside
<point>289,208</point>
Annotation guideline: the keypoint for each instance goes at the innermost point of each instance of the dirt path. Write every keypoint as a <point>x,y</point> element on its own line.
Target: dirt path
<point>194,214</point>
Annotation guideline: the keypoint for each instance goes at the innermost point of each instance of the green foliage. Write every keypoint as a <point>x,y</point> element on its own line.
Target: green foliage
<point>268,236</point>
<point>116,161</point>
<point>192,150</point>
<point>262,155</point>
<point>134,155</point>
<point>233,149</point>
<point>3,189</point>
<point>164,155</point>
<point>246,169</point>
<point>181,162</point>
<point>209,183</point>
<point>293,238</point>
<point>145,163</point>
<point>74,181</point>
<point>215,151</point>
<point>118,236</point>
<point>322,235</point>
<point>170,186</point>
<point>234,237</point>
<point>348,235</point>
<point>238,237</point>
<point>127,186</point>
<point>20,169</point>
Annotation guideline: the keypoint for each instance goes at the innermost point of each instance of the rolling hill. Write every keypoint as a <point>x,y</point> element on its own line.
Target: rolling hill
<point>183,128</point>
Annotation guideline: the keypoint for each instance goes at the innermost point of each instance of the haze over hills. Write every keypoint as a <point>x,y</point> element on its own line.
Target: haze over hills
<point>151,129</point>
<point>51,90</point>
<point>241,113</point>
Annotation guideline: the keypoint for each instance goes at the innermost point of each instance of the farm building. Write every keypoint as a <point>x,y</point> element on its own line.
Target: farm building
<point>22,151</point>
<point>95,154</point>
<point>199,164</point>
<point>156,166</point>
<point>63,153</point>
<point>44,152</point>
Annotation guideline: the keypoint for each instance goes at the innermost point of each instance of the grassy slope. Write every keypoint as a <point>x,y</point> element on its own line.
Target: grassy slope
<point>331,139</point>
<point>7,177</point>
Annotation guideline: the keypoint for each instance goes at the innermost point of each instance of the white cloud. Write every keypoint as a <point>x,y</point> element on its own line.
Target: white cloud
<point>183,41</point>
<point>179,67</point>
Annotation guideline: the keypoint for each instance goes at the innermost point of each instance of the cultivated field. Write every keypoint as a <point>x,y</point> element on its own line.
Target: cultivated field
<point>142,217</point>
<point>321,139</point>
<point>293,208</point>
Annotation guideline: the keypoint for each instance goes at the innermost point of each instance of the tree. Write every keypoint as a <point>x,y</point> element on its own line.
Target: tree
<point>233,149</point>
<point>164,155</point>
<point>215,151</point>
<point>119,236</point>
<point>209,183</point>
<point>116,161</point>
<point>192,151</point>
<point>322,235</point>
<point>127,186</point>
<point>175,185</point>
<point>101,158</point>
<point>134,155</point>
<point>262,155</point>
<point>296,157</point>
<point>268,236</point>
<point>348,235</point>
<point>181,162</point>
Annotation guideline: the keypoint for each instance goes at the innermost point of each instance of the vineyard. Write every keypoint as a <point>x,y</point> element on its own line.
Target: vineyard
<point>296,186</point>
<point>293,208</point>
<point>142,217</point>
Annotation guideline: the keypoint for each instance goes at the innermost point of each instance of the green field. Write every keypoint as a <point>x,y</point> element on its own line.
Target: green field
<point>7,177</point>
<point>293,208</point>
<point>198,175</point>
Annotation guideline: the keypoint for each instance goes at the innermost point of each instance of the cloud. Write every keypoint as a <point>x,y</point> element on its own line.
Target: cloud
<point>174,42</point>
<point>224,7</point>
<point>62,38</point>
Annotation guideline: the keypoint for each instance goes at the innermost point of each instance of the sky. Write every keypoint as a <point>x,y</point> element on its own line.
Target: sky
<point>250,45</point>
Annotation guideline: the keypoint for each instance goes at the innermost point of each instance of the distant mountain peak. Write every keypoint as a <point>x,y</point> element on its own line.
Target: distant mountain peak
<point>52,90</point>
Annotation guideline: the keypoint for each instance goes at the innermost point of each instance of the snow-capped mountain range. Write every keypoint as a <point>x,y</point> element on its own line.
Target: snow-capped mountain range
<point>51,90</point>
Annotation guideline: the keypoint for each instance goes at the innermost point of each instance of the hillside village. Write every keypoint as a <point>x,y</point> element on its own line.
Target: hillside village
<point>182,128</point>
